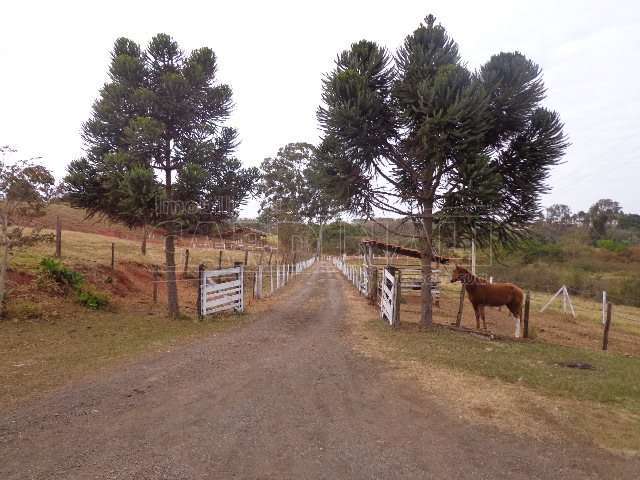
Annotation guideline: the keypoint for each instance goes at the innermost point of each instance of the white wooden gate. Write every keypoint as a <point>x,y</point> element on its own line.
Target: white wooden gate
<point>388,294</point>
<point>222,290</point>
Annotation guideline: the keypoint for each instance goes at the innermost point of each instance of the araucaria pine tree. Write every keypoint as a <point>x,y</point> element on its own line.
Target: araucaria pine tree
<point>157,137</point>
<point>423,137</point>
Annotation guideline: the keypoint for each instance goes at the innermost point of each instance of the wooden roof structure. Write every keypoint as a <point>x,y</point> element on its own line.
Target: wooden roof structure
<point>241,232</point>
<point>400,250</point>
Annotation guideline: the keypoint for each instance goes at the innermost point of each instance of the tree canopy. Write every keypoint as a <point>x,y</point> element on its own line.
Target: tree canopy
<point>291,188</point>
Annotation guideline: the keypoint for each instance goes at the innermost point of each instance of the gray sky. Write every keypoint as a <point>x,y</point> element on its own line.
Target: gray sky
<point>55,57</point>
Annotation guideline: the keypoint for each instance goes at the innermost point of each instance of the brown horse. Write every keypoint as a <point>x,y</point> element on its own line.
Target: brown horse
<point>481,294</point>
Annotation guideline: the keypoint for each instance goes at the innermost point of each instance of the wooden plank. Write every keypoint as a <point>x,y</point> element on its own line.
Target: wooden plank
<point>230,306</point>
<point>224,271</point>
<point>214,297</point>
<point>223,300</point>
<point>388,276</point>
<point>215,287</point>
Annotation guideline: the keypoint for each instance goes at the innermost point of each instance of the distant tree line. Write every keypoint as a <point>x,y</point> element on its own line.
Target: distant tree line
<point>603,216</point>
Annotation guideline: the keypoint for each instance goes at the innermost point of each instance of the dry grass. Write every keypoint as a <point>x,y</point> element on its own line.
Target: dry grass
<point>513,386</point>
<point>552,326</point>
<point>63,341</point>
<point>90,249</point>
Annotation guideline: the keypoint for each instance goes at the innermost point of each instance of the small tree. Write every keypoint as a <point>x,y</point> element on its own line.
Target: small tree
<point>423,137</point>
<point>24,191</point>
<point>292,188</point>
<point>601,214</point>
<point>559,213</point>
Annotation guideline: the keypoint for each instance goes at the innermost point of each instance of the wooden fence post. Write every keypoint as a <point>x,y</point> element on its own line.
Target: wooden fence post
<point>460,307</point>
<point>270,276</point>
<point>199,296</point>
<point>527,304</point>
<point>156,279</point>
<point>113,256</point>
<point>58,237</point>
<point>607,326</point>
<point>373,284</point>
<point>186,263</point>
<point>220,260</point>
<point>246,257</point>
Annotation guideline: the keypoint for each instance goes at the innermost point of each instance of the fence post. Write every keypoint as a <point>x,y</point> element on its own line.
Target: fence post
<point>607,326</point>
<point>58,237</point>
<point>113,256</point>
<point>186,263</point>
<point>373,285</point>
<point>396,297</point>
<point>527,303</point>
<point>200,291</point>
<point>156,279</point>
<point>246,257</point>
<point>270,277</point>
<point>460,306</point>
<point>259,282</point>
<point>220,260</point>
<point>241,278</point>
<point>604,307</point>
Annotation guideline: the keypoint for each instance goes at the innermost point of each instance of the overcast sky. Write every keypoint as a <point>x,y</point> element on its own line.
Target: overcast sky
<point>55,56</point>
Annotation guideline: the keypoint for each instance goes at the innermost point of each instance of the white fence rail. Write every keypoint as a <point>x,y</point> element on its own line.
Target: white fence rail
<point>223,289</point>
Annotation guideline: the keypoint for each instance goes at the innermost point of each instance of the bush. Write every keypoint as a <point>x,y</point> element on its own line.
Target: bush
<point>61,274</point>
<point>70,279</point>
<point>91,299</point>
<point>612,245</point>
<point>533,250</point>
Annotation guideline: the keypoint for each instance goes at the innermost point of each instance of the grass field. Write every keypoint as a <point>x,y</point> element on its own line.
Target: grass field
<point>517,386</point>
<point>41,353</point>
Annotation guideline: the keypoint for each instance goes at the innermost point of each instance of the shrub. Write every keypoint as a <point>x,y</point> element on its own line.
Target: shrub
<point>612,245</point>
<point>67,278</point>
<point>61,274</point>
<point>91,299</point>
<point>533,250</point>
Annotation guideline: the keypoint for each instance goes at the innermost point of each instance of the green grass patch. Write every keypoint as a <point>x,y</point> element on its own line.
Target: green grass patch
<point>534,364</point>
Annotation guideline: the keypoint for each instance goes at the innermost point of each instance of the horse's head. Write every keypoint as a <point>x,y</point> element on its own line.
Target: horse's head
<point>459,274</point>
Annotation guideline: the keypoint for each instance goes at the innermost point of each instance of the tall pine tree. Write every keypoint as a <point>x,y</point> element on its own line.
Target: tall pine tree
<point>157,133</point>
<point>423,137</point>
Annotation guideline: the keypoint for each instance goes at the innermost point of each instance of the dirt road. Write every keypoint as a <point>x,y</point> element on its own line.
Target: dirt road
<point>283,397</point>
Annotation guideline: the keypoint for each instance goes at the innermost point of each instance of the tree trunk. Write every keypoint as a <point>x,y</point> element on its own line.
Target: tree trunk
<point>172,288</point>
<point>170,251</point>
<point>319,252</point>
<point>426,310</point>
<point>4,261</point>
<point>145,234</point>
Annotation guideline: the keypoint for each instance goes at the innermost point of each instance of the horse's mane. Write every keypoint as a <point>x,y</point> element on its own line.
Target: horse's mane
<point>472,277</point>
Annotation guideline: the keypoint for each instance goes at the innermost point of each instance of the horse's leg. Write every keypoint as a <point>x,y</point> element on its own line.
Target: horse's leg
<point>515,311</point>
<point>484,320</point>
<point>476,309</point>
